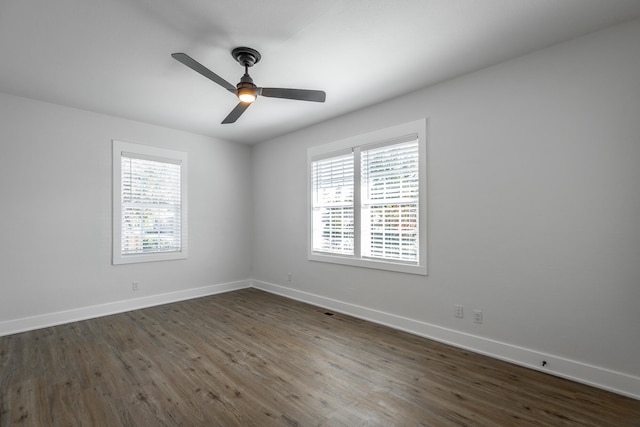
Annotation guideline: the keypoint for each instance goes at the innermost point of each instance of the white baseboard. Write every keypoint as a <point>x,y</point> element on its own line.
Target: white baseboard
<point>606,379</point>
<point>52,319</point>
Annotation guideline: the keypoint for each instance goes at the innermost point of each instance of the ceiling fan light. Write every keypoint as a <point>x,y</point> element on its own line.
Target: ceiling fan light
<point>246,94</point>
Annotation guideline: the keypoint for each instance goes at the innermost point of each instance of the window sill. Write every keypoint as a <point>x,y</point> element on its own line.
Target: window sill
<point>132,259</point>
<point>369,263</point>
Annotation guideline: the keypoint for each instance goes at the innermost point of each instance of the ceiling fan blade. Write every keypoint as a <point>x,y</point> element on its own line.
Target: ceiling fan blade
<point>236,113</point>
<point>198,67</point>
<point>299,94</point>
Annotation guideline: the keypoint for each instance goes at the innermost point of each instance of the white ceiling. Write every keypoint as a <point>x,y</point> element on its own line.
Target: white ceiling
<point>113,56</point>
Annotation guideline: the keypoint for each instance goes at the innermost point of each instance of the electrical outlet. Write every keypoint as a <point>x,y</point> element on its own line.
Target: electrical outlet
<point>135,286</point>
<point>288,277</point>
<point>477,316</point>
<point>459,311</point>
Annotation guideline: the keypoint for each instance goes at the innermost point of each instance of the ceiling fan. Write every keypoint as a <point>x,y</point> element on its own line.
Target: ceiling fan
<point>246,90</point>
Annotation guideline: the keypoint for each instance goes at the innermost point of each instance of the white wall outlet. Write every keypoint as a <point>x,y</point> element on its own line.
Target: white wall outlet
<point>135,286</point>
<point>459,311</point>
<point>477,316</point>
<point>288,277</point>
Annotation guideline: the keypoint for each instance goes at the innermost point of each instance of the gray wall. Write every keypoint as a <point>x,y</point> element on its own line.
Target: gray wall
<point>55,190</point>
<point>534,207</point>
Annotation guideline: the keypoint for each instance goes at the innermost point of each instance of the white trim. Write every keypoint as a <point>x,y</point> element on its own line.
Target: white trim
<point>58,318</point>
<point>595,376</point>
<point>357,211</point>
<point>368,263</point>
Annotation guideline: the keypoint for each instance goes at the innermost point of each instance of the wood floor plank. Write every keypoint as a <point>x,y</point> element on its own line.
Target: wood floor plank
<point>249,358</point>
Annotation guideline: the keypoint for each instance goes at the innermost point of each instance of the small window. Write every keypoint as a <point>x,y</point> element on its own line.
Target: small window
<point>149,203</point>
<point>368,200</point>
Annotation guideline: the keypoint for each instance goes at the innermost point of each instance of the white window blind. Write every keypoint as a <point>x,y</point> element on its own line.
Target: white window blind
<point>390,202</point>
<point>333,186</point>
<point>151,205</point>
<point>367,197</point>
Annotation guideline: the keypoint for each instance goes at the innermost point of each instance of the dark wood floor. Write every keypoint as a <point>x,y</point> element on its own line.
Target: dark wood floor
<point>250,358</point>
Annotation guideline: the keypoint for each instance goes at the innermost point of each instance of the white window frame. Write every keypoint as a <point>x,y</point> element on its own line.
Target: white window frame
<point>157,154</point>
<point>376,138</point>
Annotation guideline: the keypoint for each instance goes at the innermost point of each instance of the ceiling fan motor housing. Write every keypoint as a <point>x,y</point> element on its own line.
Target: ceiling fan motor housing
<point>246,86</point>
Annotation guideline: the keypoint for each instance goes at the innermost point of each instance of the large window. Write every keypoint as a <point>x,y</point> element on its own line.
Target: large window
<point>368,200</point>
<point>149,203</point>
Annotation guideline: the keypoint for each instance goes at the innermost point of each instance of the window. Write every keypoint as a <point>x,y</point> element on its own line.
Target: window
<point>332,181</point>
<point>149,203</point>
<point>367,199</point>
